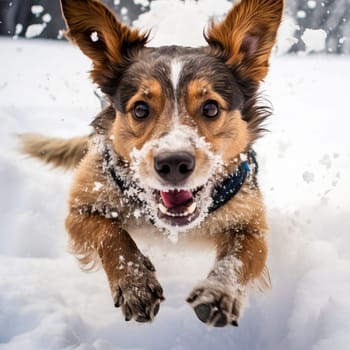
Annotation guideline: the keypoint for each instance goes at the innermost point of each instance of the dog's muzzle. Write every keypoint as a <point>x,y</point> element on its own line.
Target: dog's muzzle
<point>177,206</point>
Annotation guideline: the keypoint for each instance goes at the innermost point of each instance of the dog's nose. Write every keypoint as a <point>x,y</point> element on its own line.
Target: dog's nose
<point>174,167</point>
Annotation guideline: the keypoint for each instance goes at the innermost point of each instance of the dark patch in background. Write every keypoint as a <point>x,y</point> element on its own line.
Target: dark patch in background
<point>333,16</point>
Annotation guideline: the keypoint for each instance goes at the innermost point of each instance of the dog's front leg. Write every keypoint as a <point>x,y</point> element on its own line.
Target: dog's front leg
<point>131,275</point>
<point>241,258</point>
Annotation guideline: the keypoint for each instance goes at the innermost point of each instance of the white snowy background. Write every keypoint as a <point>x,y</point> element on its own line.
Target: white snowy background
<point>47,303</point>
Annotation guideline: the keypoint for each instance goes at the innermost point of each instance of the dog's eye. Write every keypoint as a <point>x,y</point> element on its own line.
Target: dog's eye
<point>140,110</point>
<point>210,109</point>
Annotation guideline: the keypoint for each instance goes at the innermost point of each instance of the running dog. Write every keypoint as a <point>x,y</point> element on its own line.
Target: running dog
<point>171,154</point>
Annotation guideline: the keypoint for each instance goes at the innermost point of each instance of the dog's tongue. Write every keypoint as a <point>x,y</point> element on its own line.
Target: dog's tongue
<point>175,198</point>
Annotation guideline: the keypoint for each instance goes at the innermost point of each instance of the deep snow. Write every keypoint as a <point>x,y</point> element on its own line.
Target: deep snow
<point>47,303</point>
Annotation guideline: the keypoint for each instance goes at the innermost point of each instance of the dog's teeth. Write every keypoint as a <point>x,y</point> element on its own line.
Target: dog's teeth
<point>191,209</point>
<point>163,209</point>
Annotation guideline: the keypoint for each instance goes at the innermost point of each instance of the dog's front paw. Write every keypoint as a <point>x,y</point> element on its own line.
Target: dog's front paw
<point>217,304</point>
<point>138,292</point>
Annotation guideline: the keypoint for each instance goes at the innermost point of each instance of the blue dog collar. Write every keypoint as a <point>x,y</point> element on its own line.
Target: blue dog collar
<point>233,183</point>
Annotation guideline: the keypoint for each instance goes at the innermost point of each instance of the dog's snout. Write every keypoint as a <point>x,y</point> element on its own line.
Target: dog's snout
<point>174,167</point>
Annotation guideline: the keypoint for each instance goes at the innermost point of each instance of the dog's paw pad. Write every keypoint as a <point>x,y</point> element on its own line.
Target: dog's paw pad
<point>203,312</point>
<point>139,295</point>
<point>220,320</point>
<point>216,304</point>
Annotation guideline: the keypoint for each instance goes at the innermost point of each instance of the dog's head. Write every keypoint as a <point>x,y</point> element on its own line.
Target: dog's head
<point>183,115</point>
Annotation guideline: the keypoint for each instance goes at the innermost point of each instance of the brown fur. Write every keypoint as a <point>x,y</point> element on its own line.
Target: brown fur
<point>116,41</point>
<point>59,152</point>
<point>100,216</point>
<point>220,132</point>
<point>247,35</point>
<point>129,133</point>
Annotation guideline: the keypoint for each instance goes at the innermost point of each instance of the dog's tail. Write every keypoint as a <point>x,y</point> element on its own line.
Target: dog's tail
<point>64,153</point>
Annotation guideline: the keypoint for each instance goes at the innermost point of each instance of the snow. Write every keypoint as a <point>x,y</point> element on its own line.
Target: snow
<point>34,30</point>
<point>47,18</point>
<point>301,14</point>
<point>286,38</point>
<point>97,186</point>
<point>46,302</point>
<point>314,39</point>
<point>124,11</point>
<point>308,177</point>
<point>143,3</point>
<point>94,37</point>
<point>311,4</point>
<point>179,21</point>
<point>19,28</point>
<point>37,10</point>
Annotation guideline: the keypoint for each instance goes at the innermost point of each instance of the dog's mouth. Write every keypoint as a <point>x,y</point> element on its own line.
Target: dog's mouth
<point>178,207</point>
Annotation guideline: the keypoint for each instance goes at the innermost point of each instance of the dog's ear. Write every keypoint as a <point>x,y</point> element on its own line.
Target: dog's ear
<point>246,36</point>
<point>100,35</point>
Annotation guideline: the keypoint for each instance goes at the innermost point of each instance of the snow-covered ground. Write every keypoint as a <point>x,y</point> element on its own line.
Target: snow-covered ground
<point>47,303</point>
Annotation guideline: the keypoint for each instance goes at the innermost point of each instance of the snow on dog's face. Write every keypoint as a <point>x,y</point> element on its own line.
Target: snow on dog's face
<point>181,115</point>
<point>180,126</point>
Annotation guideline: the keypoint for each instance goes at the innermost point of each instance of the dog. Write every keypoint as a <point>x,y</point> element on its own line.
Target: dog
<point>171,153</point>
